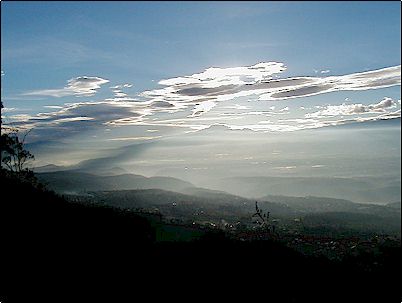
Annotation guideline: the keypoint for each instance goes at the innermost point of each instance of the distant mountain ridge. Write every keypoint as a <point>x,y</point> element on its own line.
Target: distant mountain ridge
<point>76,168</point>
<point>75,182</point>
<point>48,168</point>
<point>363,190</point>
<point>70,182</point>
<point>179,199</point>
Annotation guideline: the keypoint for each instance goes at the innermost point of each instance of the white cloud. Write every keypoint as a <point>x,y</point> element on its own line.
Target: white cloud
<point>203,107</point>
<point>198,93</point>
<point>354,109</point>
<point>19,117</point>
<point>217,77</point>
<point>238,106</point>
<point>325,71</point>
<point>72,119</point>
<point>212,85</point>
<point>53,106</point>
<point>119,94</point>
<point>79,86</point>
<point>381,78</point>
<point>215,85</point>
<point>120,86</point>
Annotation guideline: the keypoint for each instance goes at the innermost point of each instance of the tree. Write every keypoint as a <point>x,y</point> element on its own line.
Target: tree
<point>14,156</point>
<point>262,218</point>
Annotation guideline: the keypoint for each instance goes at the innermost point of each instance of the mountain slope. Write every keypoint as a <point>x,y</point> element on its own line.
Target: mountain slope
<point>187,207</point>
<point>69,182</point>
<point>49,243</point>
<point>354,189</point>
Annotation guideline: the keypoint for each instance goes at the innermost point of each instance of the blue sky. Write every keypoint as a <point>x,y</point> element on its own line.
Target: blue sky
<point>92,77</point>
<point>144,41</point>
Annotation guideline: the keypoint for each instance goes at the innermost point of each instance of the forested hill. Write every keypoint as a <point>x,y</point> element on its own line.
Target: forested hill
<point>49,243</point>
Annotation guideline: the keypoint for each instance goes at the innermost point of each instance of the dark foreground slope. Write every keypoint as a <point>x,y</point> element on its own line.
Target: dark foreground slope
<point>50,246</point>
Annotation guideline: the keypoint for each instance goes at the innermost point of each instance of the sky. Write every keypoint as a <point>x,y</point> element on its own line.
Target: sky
<point>164,88</point>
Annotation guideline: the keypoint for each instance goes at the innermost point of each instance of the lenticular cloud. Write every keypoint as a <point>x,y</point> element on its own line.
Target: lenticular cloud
<point>79,86</point>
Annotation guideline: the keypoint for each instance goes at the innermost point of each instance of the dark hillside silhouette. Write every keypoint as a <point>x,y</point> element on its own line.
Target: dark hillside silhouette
<point>49,243</point>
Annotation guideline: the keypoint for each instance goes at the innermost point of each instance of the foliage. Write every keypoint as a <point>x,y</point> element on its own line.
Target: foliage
<point>14,156</point>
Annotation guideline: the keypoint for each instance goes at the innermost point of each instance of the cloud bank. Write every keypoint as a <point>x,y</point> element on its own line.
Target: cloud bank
<point>190,97</point>
<point>222,84</point>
